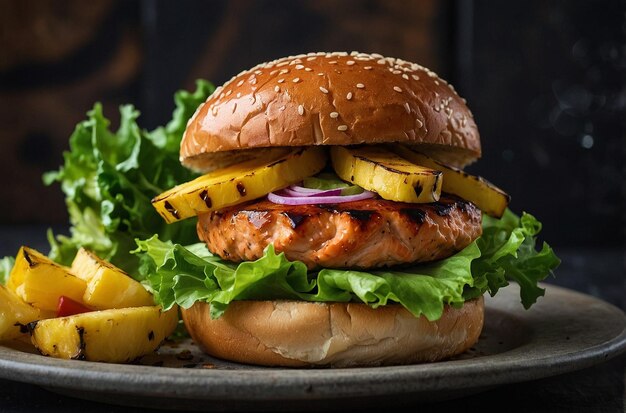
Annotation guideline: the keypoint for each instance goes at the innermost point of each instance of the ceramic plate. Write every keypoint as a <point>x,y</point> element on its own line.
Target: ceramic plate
<point>565,331</point>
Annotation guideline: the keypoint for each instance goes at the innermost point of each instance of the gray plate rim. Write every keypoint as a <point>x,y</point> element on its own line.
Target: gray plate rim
<point>541,356</point>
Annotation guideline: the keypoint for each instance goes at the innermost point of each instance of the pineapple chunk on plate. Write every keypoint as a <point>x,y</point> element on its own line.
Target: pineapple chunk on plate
<point>108,286</point>
<point>15,314</point>
<point>39,281</point>
<point>112,336</point>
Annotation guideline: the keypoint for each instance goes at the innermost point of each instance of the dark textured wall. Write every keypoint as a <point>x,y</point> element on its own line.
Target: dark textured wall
<point>545,81</point>
<point>548,90</point>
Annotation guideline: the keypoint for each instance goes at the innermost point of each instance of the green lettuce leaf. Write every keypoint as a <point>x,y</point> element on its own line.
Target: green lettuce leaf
<point>110,177</point>
<point>179,276</point>
<point>183,275</point>
<point>509,252</point>
<point>324,181</point>
<point>6,265</point>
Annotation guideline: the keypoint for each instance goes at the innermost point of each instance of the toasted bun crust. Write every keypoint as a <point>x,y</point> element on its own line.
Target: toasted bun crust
<point>296,333</point>
<point>330,99</point>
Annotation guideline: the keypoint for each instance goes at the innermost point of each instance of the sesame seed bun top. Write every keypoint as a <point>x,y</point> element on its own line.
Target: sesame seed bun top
<point>330,99</point>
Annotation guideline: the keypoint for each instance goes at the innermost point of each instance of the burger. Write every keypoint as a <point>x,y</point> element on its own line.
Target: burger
<point>341,229</point>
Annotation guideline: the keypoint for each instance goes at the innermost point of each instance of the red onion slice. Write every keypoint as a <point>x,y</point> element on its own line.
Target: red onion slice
<point>283,198</point>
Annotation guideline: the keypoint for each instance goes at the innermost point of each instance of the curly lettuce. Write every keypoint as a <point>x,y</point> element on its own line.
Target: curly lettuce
<point>109,178</point>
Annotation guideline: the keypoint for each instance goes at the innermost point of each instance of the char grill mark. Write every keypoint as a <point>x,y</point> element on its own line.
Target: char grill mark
<point>295,219</point>
<point>416,215</point>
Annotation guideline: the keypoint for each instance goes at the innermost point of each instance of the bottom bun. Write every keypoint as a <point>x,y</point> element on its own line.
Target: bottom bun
<point>298,333</point>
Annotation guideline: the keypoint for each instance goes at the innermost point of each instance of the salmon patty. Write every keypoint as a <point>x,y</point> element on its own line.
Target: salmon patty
<point>371,233</point>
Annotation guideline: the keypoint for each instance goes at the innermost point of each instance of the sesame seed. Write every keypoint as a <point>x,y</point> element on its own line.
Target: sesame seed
<point>349,95</point>
<point>360,85</point>
<point>238,94</point>
<point>405,76</point>
<point>299,67</point>
<point>281,80</point>
<point>381,61</point>
<point>368,68</point>
<point>221,95</point>
<point>332,62</point>
<point>350,62</point>
<point>311,58</point>
<point>283,71</point>
<point>276,89</point>
<point>240,82</point>
<point>323,89</point>
<point>229,92</point>
<point>296,80</point>
<point>436,82</point>
<point>334,115</point>
<point>258,72</point>
<point>407,107</point>
<point>419,123</point>
<point>342,127</point>
<point>253,81</point>
<point>301,110</point>
<point>308,69</point>
<point>415,77</point>
<point>397,89</point>
<point>396,72</point>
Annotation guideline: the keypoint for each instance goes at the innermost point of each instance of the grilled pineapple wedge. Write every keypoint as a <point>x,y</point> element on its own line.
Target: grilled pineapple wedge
<point>112,336</point>
<point>486,196</point>
<point>39,281</point>
<point>387,174</point>
<point>108,286</point>
<point>15,314</point>
<point>239,183</point>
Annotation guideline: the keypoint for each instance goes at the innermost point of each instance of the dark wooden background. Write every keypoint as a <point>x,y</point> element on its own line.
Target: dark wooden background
<point>545,80</point>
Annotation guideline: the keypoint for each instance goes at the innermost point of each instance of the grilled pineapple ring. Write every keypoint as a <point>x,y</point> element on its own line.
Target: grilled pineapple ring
<point>239,183</point>
<point>486,196</point>
<point>389,175</point>
<point>112,336</point>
